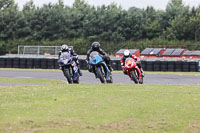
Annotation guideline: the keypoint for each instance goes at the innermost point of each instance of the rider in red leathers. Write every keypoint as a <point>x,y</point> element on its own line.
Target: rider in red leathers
<point>137,60</point>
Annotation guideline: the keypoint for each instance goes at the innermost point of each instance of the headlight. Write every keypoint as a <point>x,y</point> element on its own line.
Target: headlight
<point>65,61</point>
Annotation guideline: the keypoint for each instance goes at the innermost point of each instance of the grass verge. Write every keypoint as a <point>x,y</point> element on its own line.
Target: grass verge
<point>58,107</point>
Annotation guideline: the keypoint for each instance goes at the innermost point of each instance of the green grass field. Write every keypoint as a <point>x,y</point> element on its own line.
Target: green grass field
<point>104,108</point>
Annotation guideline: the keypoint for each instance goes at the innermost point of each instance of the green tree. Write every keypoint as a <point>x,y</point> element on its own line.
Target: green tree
<point>133,24</point>
<point>194,23</point>
<point>152,26</point>
<point>178,28</point>
<point>11,21</point>
<point>4,4</point>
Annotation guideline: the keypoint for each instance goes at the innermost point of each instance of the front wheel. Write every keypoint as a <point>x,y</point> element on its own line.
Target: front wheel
<point>100,76</point>
<point>68,75</point>
<point>134,78</point>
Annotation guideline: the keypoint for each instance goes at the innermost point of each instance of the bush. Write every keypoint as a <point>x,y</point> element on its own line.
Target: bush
<point>81,45</point>
<point>3,50</point>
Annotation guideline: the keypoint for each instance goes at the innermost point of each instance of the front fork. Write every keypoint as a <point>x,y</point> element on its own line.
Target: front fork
<point>135,70</point>
<point>95,69</point>
<point>104,73</point>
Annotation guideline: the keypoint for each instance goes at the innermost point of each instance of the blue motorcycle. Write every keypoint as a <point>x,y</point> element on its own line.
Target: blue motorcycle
<point>99,68</point>
<point>69,68</point>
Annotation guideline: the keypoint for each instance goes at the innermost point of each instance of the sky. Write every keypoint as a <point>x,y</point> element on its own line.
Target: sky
<point>126,4</point>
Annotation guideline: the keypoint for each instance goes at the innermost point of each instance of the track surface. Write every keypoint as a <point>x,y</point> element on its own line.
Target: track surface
<point>89,78</point>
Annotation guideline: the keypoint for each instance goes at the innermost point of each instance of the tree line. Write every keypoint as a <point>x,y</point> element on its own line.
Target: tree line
<point>114,27</point>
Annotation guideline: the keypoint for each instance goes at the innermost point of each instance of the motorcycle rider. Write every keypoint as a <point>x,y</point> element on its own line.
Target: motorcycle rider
<point>127,54</point>
<point>96,47</point>
<point>65,48</point>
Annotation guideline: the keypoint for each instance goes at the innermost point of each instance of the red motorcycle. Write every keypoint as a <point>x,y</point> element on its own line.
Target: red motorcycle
<point>133,71</point>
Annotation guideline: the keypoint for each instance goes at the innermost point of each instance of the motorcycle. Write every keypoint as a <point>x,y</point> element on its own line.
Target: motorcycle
<point>133,71</point>
<point>99,68</point>
<point>69,68</point>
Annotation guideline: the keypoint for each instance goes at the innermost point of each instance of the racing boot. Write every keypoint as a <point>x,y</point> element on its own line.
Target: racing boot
<point>95,75</point>
<point>110,67</point>
<point>80,73</point>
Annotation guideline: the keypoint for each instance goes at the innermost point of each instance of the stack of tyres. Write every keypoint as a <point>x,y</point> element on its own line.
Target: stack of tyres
<point>22,63</point>
<point>9,63</point>
<point>178,66</point>
<point>144,64</point>
<point>29,63</point>
<point>164,66</point>
<point>50,64</point>
<point>44,63</point>
<point>193,66</point>
<point>56,64</point>
<point>16,62</point>
<point>171,66</point>
<point>149,66</point>
<point>198,66</point>
<point>185,66</point>
<point>157,66</point>
<point>115,65</point>
<point>37,63</point>
<point>2,62</point>
<point>118,65</point>
<point>83,64</point>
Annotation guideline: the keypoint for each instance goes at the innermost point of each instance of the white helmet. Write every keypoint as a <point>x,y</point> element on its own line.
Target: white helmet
<point>64,47</point>
<point>126,53</point>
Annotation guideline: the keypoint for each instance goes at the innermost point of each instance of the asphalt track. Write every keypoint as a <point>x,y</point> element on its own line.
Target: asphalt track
<point>89,78</point>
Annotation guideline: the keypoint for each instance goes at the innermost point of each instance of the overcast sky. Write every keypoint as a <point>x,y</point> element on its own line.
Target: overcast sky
<point>157,4</point>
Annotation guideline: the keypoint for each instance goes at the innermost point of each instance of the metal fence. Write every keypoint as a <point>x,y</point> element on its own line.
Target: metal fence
<point>38,50</point>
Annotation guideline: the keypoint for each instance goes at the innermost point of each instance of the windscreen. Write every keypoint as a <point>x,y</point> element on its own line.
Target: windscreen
<point>93,54</point>
<point>65,55</point>
<point>128,59</point>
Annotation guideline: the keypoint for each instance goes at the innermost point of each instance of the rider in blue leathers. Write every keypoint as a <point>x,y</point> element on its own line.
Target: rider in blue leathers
<point>65,48</point>
<point>96,47</point>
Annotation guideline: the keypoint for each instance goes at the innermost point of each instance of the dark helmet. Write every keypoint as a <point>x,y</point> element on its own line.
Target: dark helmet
<point>95,45</point>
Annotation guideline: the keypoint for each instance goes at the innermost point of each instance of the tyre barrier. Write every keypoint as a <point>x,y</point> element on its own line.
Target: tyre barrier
<point>44,63</point>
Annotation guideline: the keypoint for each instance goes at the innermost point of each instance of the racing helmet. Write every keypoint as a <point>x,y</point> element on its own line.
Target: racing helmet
<point>64,47</point>
<point>95,46</point>
<point>126,53</point>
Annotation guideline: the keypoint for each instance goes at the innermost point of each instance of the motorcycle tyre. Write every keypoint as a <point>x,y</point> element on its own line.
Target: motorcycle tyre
<point>100,76</point>
<point>134,78</point>
<point>68,76</point>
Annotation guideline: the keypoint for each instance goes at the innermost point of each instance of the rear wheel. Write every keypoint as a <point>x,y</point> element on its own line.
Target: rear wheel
<point>134,78</point>
<point>68,75</point>
<point>100,76</point>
